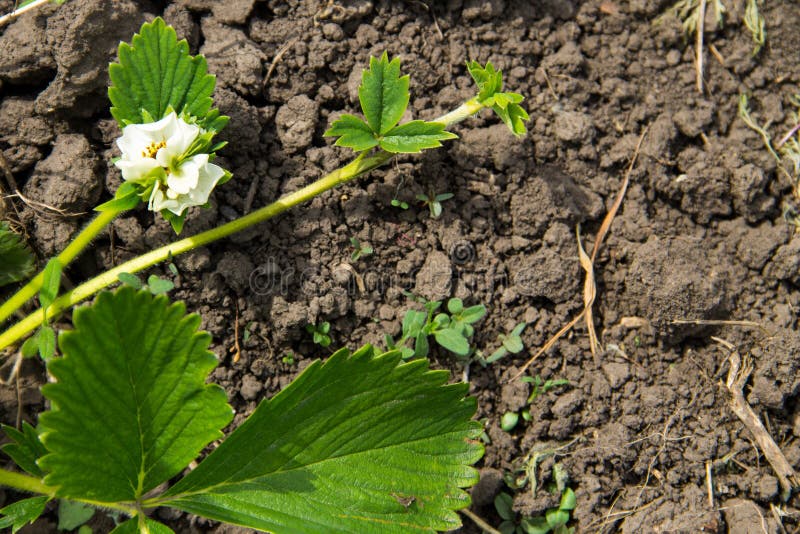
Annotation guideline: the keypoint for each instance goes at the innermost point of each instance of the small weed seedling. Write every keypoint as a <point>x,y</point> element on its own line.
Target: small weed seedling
<point>288,358</point>
<point>510,343</point>
<point>434,202</point>
<point>451,330</point>
<point>509,420</point>
<point>554,520</point>
<point>154,285</point>
<point>688,13</point>
<point>319,333</point>
<point>359,250</point>
<point>397,203</point>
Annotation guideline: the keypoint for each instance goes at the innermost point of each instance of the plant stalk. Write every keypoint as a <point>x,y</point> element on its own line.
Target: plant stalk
<point>72,250</point>
<point>25,483</point>
<point>361,165</point>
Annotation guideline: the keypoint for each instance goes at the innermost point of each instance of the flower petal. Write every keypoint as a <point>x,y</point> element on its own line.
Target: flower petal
<point>136,170</point>
<point>210,174</point>
<point>185,177</point>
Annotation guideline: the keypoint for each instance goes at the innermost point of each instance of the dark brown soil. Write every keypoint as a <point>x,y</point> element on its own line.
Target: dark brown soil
<point>700,234</point>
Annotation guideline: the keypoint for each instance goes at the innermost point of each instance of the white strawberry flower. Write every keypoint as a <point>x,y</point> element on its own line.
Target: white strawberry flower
<point>154,152</point>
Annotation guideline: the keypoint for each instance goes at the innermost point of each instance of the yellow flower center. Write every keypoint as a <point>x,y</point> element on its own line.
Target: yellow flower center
<point>152,149</point>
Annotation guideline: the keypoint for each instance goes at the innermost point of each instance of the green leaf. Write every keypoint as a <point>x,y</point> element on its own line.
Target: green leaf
<point>30,348</point>
<point>556,518</point>
<point>130,405</point>
<point>50,283</point>
<point>333,451</point>
<point>455,305</point>
<point>156,73</point>
<point>489,80</point>
<point>535,525</point>
<point>421,346</point>
<point>473,314</point>
<point>120,203</point>
<point>568,500</point>
<point>514,116</point>
<point>16,259</point>
<point>415,136</point>
<point>25,449</point>
<point>131,526</point>
<point>353,132</point>
<point>504,504</point>
<point>452,340</point>
<point>22,512</point>
<point>130,280</point>
<point>513,344</point>
<point>383,94</point>
<point>72,514</point>
<point>46,342</point>
<point>158,285</point>
<point>413,321</point>
<point>176,221</point>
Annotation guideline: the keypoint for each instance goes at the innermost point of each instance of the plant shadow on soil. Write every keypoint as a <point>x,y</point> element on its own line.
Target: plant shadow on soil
<point>700,234</point>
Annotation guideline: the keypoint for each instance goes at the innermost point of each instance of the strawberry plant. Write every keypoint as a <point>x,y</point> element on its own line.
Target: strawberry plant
<point>130,408</point>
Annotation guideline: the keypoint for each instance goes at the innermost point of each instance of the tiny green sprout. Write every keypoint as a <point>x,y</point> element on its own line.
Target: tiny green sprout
<point>288,358</point>
<point>319,333</point>
<point>540,387</point>
<point>155,285</point>
<point>554,520</point>
<point>510,343</point>
<point>247,332</point>
<point>434,202</point>
<point>397,203</point>
<point>359,250</point>
<point>509,421</point>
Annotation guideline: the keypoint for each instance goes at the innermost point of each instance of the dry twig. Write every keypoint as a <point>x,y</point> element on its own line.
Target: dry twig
<point>738,374</point>
<point>701,23</point>
<point>486,527</point>
<point>587,262</point>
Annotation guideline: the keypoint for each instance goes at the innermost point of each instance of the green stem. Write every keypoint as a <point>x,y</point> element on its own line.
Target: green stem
<point>357,167</point>
<point>29,484</point>
<point>25,483</point>
<point>77,245</point>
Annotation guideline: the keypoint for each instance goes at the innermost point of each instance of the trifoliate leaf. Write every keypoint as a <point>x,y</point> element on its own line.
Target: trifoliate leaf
<point>383,94</point>
<point>25,449</point>
<point>73,514</point>
<point>453,340</point>
<point>353,132</point>
<point>131,526</point>
<point>21,513</point>
<point>130,405</point>
<point>415,136</point>
<point>360,443</point>
<point>489,80</point>
<point>514,116</point>
<point>16,259</point>
<point>156,73</point>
